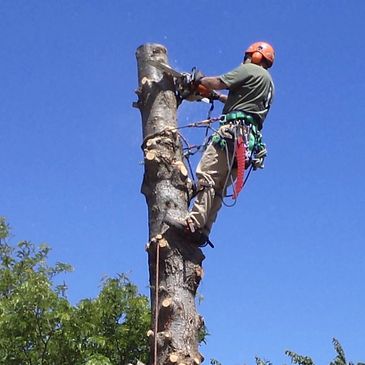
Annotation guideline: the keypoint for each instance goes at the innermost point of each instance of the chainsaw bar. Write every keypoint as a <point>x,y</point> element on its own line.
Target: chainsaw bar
<point>166,68</point>
<point>183,81</point>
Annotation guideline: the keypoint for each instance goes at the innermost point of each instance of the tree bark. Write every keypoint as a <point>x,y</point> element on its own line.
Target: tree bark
<point>174,262</point>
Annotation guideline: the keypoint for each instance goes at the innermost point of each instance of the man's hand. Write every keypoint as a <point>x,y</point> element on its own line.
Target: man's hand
<point>195,86</point>
<point>207,93</point>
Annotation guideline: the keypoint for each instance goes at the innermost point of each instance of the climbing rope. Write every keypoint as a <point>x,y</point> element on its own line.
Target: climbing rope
<point>190,150</point>
<point>157,280</point>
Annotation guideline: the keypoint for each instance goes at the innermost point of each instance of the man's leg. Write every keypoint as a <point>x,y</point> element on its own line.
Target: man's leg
<point>211,173</point>
<point>217,203</point>
<point>212,216</point>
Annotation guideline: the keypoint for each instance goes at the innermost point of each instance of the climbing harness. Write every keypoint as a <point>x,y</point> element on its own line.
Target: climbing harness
<point>248,149</point>
<point>241,140</point>
<point>248,153</point>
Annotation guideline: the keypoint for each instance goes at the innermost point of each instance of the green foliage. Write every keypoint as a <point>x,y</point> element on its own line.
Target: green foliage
<point>98,360</point>
<point>114,324</point>
<point>203,334</point>
<point>298,359</point>
<point>214,362</point>
<point>38,325</point>
<point>340,358</point>
<point>260,361</point>
<point>305,360</point>
<point>4,229</point>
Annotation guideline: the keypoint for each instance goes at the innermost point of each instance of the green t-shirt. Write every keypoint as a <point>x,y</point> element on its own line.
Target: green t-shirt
<point>251,90</point>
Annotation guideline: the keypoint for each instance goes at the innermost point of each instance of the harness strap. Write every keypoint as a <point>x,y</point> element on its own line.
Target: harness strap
<point>238,115</point>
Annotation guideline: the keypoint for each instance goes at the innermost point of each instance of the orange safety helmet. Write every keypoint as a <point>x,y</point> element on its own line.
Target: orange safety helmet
<point>260,50</point>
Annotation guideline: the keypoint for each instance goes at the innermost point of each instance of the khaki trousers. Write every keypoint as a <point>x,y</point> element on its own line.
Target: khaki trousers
<point>212,174</point>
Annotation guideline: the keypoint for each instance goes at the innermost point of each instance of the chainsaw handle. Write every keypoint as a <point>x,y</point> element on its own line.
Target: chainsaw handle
<point>203,91</point>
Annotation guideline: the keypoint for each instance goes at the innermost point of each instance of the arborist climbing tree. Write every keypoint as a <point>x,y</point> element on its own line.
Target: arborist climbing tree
<point>177,233</point>
<point>238,142</point>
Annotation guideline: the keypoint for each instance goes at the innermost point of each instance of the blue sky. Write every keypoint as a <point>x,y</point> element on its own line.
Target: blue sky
<point>288,268</point>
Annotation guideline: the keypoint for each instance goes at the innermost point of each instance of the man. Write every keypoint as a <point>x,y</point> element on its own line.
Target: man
<point>250,95</point>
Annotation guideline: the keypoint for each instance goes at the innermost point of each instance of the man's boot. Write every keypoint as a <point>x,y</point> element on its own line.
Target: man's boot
<point>177,224</point>
<point>187,227</point>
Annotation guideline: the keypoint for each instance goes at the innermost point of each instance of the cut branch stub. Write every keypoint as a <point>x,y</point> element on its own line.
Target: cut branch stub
<point>166,303</point>
<point>182,168</point>
<point>174,358</point>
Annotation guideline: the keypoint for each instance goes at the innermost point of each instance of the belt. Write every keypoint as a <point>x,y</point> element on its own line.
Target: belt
<point>238,115</point>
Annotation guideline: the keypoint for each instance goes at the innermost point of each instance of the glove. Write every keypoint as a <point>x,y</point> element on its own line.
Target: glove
<point>214,95</point>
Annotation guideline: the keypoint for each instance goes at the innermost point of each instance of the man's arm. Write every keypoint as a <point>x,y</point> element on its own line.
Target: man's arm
<point>214,83</point>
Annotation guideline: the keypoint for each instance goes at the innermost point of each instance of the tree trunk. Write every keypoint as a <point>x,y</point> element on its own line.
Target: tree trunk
<point>174,262</point>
